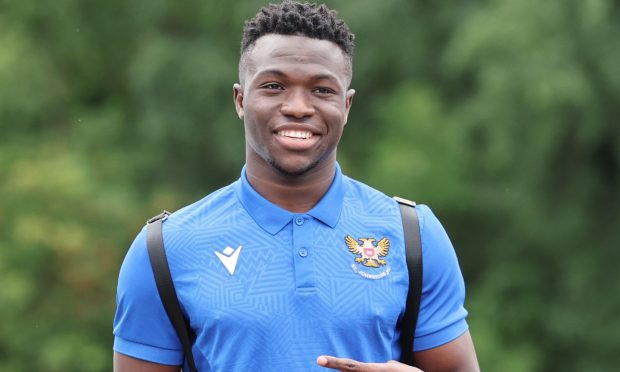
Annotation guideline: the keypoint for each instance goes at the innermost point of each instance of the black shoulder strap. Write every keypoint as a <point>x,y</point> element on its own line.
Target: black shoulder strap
<point>413,246</point>
<point>165,286</point>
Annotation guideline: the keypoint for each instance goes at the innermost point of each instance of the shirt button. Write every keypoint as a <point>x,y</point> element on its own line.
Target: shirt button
<point>303,252</point>
<point>299,221</point>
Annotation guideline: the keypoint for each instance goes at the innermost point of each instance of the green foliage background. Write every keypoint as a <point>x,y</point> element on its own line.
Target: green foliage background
<point>503,115</point>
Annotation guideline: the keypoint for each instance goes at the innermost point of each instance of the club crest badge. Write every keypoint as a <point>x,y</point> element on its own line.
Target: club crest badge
<point>369,255</point>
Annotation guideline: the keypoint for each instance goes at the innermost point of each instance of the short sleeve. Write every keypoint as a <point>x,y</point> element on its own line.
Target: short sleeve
<point>442,312</point>
<point>141,327</point>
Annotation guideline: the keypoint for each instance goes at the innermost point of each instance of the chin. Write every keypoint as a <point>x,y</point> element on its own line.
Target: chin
<point>294,170</point>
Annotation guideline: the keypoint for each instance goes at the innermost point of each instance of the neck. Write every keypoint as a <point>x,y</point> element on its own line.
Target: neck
<point>297,194</point>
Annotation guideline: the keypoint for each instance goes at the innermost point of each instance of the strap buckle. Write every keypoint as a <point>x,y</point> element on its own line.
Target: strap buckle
<point>162,216</point>
<point>404,201</point>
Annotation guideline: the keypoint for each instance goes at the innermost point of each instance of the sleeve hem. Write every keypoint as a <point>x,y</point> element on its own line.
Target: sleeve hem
<point>441,337</point>
<point>147,352</point>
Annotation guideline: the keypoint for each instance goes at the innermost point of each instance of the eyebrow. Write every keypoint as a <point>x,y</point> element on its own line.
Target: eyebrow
<point>324,77</point>
<point>272,71</point>
<point>314,78</point>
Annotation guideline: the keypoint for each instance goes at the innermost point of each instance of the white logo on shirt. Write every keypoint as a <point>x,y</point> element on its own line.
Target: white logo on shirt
<point>229,258</point>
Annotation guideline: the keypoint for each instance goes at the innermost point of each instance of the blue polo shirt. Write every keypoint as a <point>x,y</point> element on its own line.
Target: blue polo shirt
<point>270,290</point>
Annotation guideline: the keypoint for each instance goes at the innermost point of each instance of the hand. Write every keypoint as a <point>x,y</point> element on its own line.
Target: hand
<point>347,365</point>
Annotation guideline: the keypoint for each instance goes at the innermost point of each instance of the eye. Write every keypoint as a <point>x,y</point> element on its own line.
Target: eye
<point>323,91</point>
<point>272,86</point>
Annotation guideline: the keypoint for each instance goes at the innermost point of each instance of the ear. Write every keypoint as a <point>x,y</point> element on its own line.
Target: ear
<point>238,97</point>
<point>347,103</point>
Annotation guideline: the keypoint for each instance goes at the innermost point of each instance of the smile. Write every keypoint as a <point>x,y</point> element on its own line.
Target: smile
<point>298,134</point>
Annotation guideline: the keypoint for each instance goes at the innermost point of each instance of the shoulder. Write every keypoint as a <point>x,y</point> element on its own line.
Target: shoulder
<point>435,241</point>
<point>203,210</point>
<point>429,223</point>
<point>367,196</point>
<point>370,197</point>
<point>177,232</point>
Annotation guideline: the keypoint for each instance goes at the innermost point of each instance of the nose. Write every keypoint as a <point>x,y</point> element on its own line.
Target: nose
<point>297,105</point>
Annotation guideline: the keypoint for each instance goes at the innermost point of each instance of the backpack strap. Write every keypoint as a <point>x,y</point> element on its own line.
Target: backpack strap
<point>413,247</point>
<point>165,286</point>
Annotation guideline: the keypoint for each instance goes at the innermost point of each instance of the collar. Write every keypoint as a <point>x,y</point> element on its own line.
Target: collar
<point>273,218</point>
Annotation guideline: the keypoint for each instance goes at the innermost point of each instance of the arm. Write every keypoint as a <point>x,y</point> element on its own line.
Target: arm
<point>455,356</point>
<point>124,363</point>
<point>142,329</point>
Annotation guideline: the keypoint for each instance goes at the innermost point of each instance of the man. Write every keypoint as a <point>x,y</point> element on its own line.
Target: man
<point>295,266</point>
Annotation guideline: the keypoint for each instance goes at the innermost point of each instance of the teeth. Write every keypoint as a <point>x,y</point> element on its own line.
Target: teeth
<point>295,134</point>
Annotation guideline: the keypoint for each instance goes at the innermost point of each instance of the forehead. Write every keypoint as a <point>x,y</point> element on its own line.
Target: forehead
<point>297,55</point>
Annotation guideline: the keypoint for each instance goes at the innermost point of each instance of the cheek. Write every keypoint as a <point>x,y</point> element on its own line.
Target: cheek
<point>261,110</point>
<point>256,123</point>
<point>335,115</point>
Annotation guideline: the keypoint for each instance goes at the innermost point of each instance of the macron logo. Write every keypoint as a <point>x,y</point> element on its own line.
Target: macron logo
<point>229,258</point>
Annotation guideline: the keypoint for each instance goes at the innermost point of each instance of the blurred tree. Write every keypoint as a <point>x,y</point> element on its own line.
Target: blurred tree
<point>501,115</point>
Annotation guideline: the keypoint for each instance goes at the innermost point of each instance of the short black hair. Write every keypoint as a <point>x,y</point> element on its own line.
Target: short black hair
<point>293,18</point>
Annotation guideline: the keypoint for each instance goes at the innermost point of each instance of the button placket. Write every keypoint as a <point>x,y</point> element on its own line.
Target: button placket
<point>302,248</point>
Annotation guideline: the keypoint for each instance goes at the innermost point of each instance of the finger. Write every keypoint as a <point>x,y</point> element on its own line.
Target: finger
<point>350,365</point>
<point>347,365</point>
<point>343,364</point>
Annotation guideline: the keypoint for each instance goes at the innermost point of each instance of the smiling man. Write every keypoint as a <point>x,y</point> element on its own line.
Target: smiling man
<point>317,277</point>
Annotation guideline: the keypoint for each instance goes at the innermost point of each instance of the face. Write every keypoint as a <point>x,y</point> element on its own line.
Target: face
<point>294,102</point>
